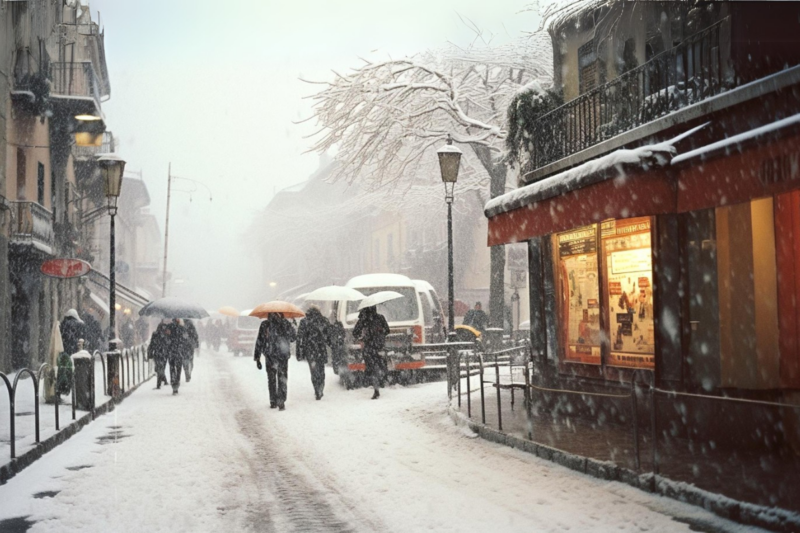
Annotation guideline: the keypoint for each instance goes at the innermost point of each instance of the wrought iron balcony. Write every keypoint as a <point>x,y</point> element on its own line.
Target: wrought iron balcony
<point>33,225</point>
<point>75,79</point>
<point>686,74</point>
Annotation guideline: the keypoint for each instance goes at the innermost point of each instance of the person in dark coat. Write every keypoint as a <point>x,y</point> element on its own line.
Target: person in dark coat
<point>128,334</point>
<point>336,337</point>
<point>190,343</point>
<point>372,329</point>
<point>158,351</point>
<point>312,345</point>
<point>274,337</point>
<point>214,333</point>
<point>94,334</point>
<point>477,318</point>
<point>72,329</point>
<point>178,344</point>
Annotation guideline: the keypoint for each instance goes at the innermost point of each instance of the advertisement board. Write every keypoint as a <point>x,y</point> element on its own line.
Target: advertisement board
<point>580,294</point>
<point>629,286</point>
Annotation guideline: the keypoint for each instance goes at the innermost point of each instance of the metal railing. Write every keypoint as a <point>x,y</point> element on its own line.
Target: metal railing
<point>75,79</point>
<point>688,73</point>
<point>106,146</point>
<point>133,371</point>
<point>32,224</point>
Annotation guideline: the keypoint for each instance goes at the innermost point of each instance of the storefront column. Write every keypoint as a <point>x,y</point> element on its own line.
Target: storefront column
<point>538,331</point>
<point>667,300</point>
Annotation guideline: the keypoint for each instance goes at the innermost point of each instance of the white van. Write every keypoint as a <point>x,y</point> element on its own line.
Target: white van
<point>414,318</point>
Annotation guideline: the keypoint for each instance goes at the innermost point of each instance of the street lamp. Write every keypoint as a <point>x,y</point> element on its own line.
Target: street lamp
<point>112,167</point>
<point>449,160</point>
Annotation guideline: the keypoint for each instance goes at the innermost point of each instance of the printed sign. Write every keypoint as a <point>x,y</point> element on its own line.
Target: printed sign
<point>65,268</point>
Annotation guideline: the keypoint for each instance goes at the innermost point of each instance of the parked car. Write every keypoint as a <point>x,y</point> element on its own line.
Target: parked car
<point>242,338</point>
<point>414,319</point>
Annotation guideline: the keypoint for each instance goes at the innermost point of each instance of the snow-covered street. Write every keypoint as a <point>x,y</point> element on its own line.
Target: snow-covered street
<point>216,458</point>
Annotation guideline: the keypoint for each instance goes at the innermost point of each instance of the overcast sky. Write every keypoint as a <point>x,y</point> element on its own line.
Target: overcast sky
<point>213,88</point>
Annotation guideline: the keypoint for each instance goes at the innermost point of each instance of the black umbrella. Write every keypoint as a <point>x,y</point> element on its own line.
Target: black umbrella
<point>173,308</point>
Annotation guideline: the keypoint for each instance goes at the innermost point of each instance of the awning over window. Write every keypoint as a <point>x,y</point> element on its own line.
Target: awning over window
<point>99,303</point>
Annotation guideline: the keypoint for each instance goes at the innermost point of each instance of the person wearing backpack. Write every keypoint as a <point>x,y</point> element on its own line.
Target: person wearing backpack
<point>372,329</point>
<point>274,335</point>
<point>312,345</point>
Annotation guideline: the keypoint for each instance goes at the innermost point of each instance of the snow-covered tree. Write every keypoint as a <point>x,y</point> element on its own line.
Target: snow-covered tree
<point>387,118</point>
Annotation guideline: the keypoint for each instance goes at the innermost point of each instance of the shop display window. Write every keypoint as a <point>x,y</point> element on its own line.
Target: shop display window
<point>618,320</point>
<point>579,294</point>
<point>628,279</point>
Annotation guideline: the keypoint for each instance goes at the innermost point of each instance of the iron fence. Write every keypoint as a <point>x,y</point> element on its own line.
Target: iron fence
<point>132,373</point>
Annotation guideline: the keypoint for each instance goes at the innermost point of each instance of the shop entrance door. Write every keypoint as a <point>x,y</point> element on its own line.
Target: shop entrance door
<point>702,360</point>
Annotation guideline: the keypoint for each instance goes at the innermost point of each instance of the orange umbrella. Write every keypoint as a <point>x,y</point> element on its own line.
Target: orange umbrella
<point>228,311</point>
<point>285,308</point>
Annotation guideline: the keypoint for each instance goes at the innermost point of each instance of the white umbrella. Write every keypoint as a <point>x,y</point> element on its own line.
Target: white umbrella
<point>379,298</point>
<point>334,293</point>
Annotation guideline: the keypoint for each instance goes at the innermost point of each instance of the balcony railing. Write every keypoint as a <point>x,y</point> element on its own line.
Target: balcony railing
<point>107,146</point>
<point>33,224</point>
<point>688,73</point>
<point>75,79</point>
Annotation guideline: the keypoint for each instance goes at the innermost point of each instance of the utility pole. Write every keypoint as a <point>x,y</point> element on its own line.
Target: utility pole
<point>166,233</point>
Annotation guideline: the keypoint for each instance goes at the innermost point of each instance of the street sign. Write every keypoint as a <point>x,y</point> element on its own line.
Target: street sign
<point>65,268</point>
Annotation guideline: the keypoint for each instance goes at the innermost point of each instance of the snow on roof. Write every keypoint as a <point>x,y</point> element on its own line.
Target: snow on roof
<point>736,140</point>
<point>423,285</point>
<point>596,170</point>
<point>379,280</point>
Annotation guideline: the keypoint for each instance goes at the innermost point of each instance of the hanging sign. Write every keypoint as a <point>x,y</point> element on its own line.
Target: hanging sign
<point>65,268</point>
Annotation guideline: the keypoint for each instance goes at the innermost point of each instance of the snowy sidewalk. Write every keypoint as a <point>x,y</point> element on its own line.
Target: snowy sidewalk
<point>216,458</point>
<point>25,426</point>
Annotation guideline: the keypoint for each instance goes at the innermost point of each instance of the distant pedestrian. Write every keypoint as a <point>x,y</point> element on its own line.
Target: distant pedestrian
<point>128,333</point>
<point>274,337</point>
<point>214,333</point>
<point>72,329</point>
<point>94,334</point>
<point>336,337</point>
<point>477,318</point>
<point>189,343</point>
<point>312,345</point>
<point>142,329</point>
<point>372,329</point>
<point>158,351</point>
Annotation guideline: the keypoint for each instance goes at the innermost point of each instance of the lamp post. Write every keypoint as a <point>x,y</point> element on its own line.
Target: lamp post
<point>112,167</point>
<point>449,161</point>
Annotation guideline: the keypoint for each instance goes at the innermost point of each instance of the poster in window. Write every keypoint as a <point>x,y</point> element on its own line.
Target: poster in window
<point>629,278</point>
<point>580,294</point>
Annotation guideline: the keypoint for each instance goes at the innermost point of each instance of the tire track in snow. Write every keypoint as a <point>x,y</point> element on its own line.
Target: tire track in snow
<point>287,500</point>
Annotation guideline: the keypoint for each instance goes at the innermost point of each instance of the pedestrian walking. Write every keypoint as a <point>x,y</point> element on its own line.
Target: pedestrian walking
<point>190,342</point>
<point>372,329</point>
<point>158,351</point>
<point>274,337</point>
<point>178,344</point>
<point>72,329</point>
<point>336,337</point>
<point>128,333</point>
<point>312,345</point>
<point>477,318</point>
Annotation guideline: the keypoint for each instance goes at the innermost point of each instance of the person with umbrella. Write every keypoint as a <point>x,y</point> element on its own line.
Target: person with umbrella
<point>158,351</point>
<point>372,329</point>
<point>273,341</point>
<point>312,345</point>
<point>336,336</point>
<point>174,338</point>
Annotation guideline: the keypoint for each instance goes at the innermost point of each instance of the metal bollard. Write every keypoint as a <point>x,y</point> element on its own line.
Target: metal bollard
<point>113,363</point>
<point>469,387</point>
<point>497,385</point>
